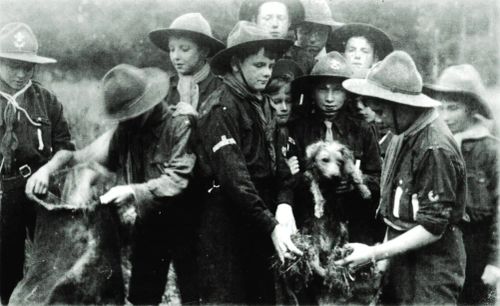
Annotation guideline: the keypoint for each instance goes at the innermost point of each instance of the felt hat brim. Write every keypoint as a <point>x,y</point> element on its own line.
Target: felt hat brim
<point>160,38</point>
<point>221,62</point>
<point>28,57</point>
<point>365,87</point>
<point>339,37</point>
<point>479,102</point>
<point>156,90</point>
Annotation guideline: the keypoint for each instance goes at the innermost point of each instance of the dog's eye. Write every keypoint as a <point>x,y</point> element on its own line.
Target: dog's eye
<point>325,160</point>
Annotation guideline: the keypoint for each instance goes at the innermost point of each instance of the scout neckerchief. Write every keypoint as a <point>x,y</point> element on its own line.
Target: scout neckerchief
<point>188,88</point>
<point>263,109</point>
<point>394,149</point>
<point>9,141</point>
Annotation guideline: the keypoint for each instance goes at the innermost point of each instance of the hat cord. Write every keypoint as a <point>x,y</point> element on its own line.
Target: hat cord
<point>242,75</point>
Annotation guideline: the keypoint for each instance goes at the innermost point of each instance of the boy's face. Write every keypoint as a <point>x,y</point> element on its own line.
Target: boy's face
<point>359,53</point>
<point>273,17</point>
<point>281,102</point>
<point>383,111</point>
<point>15,74</point>
<point>257,69</point>
<point>186,56</point>
<point>455,115</point>
<point>329,97</point>
<point>312,37</point>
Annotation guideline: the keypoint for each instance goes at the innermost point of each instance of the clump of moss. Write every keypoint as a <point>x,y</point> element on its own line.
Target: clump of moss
<point>338,283</point>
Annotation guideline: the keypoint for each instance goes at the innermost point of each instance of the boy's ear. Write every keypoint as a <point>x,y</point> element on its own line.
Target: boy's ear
<point>234,64</point>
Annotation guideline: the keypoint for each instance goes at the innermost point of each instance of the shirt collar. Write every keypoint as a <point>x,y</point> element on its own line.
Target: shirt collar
<point>320,54</point>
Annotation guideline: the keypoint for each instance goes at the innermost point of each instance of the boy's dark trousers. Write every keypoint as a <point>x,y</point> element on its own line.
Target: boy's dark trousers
<point>162,236</point>
<point>17,218</point>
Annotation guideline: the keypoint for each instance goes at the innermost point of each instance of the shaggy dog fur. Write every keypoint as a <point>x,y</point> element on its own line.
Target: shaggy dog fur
<point>330,173</point>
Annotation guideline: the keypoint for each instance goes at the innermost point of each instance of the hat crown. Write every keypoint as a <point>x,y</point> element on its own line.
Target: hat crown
<point>332,64</point>
<point>194,22</point>
<point>397,73</point>
<point>18,37</point>
<point>317,11</point>
<point>245,31</point>
<point>462,78</point>
<point>122,86</point>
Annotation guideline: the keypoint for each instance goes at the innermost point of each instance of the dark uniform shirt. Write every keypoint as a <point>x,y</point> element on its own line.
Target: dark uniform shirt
<point>236,150</point>
<point>357,135</point>
<point>429,185</point>
<point>43,107</point>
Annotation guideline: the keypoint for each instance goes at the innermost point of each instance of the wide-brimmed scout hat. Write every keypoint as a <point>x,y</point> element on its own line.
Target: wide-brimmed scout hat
<point>129,91</point>
<point>395,79</point>
<point>463,79</point>
<point>250,8</point>
<point>18,42</point>
<point>246,34</point>
<point>191,24</point>
<point>332,66</point>
<point>339,37</point>
<point>318,11</point>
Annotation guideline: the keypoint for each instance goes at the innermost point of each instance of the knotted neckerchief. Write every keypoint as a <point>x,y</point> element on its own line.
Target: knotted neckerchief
<point>9,141</point>
<point>394,149</point>
<point>263,108</point>
<point>188,88</point>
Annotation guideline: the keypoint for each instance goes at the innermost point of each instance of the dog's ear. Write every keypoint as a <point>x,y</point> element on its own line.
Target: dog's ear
<point>346,153</point>
<point>348,160</point>
<point>311,151</point>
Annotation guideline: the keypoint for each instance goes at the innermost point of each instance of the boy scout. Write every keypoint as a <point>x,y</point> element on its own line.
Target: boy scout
<point>32,128</point>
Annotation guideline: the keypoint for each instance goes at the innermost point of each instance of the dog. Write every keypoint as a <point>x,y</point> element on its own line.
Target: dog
<point>331,176</point>
<point>331,163</point>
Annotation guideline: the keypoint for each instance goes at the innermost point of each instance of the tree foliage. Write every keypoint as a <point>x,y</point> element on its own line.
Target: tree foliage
<point>90,36</point>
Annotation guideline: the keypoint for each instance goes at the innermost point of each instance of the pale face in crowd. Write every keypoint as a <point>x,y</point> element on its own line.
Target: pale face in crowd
<point>359,52</point>
<point>329,97</point>
<point>15,74</point>
<point>273,17</point>
<point>312,37</point>
<point>186,56</point>
<point>455,114</point>
<point>257,69</point>
<point>281,102</point>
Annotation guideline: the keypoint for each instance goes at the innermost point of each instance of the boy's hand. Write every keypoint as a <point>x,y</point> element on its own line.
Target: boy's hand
<point>38,183</point>
<point>283,244</point>
<point>293,164</point>
<point>118,195</point>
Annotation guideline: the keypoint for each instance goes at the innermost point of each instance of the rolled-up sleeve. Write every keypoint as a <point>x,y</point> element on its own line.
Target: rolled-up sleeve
<point>176,170</point>
<point>436,189</point>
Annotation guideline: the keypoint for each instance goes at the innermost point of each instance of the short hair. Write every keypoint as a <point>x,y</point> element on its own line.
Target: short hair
<point>276,83</point>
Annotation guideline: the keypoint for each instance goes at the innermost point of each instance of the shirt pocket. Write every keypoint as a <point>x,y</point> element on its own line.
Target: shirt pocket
<point>479,204</point>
